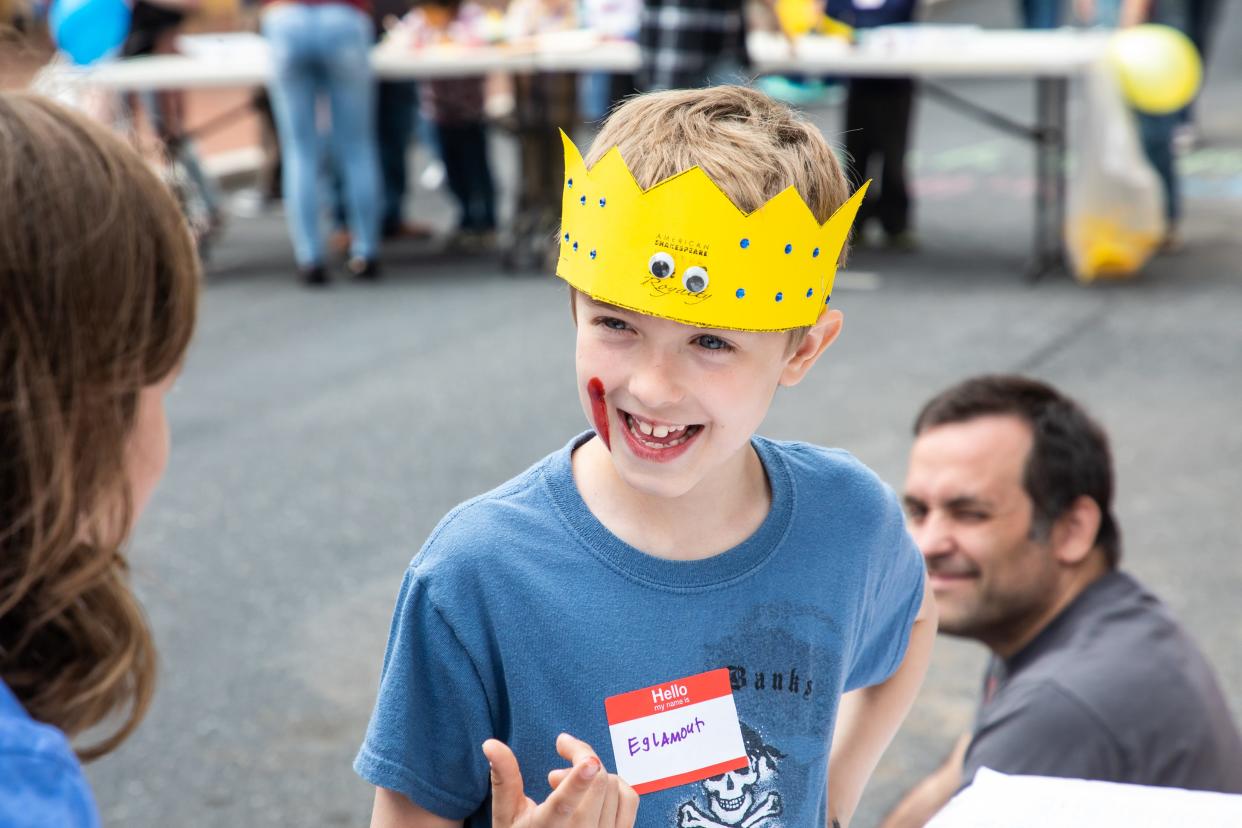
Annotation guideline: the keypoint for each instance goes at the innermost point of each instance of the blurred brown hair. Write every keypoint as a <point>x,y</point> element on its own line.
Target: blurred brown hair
<point>98,292</point>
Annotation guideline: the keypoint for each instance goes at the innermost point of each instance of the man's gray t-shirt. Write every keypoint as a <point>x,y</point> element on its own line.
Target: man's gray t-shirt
<point>1113,689</point>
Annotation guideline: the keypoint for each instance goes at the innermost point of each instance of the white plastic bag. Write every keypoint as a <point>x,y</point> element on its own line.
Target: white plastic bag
<point>1115,217</point>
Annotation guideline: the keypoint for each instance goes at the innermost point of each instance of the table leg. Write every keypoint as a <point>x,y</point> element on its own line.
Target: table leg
<point>1051,102</point>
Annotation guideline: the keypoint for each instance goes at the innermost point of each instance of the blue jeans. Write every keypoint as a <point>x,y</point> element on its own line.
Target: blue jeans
<point>1157,134</point>
<point>324,50</point>
<point>463,148</point>
<point>396,114</point>
<point>1041,14</point>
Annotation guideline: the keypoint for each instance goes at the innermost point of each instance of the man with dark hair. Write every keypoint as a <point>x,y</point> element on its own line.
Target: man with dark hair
<point>1009,495</point>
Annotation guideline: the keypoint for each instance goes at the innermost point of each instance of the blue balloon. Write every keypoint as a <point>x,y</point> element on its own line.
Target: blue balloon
<point>88,30</point>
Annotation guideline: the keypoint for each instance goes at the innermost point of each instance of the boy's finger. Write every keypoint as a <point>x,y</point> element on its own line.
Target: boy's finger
<point>582,789</point>
<point>573,749</point>
<point>612,799</point>
<point>627,805</point>
<point>556,777</point>
<point>508,795</point>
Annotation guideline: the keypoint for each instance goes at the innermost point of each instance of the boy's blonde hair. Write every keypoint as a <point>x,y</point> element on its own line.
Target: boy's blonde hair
<point>752,146</point>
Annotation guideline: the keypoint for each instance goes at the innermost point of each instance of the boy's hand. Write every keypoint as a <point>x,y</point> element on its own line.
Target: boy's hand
<point>584,796</point>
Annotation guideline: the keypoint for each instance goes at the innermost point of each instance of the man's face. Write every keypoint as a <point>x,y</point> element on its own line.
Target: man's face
<point>680,402</point>
<point>971,517</point>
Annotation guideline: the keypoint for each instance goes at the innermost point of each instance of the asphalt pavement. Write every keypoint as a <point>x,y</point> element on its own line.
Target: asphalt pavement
<point>318,436</point>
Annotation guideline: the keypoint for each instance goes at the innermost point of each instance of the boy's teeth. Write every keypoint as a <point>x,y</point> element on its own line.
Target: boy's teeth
<point>641,428</point>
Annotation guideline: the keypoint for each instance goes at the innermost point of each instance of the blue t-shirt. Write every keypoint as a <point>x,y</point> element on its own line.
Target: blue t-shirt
<point>522,613</point>
<point>41,781</point>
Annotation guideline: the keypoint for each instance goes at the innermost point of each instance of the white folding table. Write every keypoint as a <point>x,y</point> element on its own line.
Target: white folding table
<point>1053,59</point>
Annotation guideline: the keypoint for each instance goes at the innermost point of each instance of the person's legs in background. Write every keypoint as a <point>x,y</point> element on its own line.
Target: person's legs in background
<point>1199,18</point>
<point>1040,14</point>
<point>452,140</point>
<point>481,200</point>
<point>895,103</point>
<point>296,78</point>
<point>345,44</point>
<point>269,142</point>
<point>860,141</point>
<point>1157,134</point>
<point>396,108</point>
<point>877,124</point>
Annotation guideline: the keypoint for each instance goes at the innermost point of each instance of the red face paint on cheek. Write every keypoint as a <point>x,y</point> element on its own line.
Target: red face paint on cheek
<point>599,411</point>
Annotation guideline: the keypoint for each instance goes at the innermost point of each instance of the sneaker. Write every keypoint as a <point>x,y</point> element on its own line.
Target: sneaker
<point>483,241</point>
<point>470,242</point>
<point>366,270</point>
<point>903,242</point>
<point>1185,139</point>
<point>407,230</point>
<point>313,275</point>
<point>1171,243</point>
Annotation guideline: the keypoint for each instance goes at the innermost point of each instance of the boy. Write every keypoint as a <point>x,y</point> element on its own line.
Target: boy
<point>670,542</point>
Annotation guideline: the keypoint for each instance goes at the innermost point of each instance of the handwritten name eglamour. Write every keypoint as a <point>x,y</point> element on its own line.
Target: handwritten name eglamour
<point>663,738</point>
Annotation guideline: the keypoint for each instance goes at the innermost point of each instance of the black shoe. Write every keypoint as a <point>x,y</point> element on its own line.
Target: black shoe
<point>368,270</point>
<point>313,276</point>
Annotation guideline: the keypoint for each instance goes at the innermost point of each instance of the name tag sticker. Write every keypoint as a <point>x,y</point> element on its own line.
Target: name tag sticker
<point>676,733</point>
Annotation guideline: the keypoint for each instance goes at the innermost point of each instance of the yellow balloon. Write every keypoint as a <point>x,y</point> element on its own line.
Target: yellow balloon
<point>1157,66</point>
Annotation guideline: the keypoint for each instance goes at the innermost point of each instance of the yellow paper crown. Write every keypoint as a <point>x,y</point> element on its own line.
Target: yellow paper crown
<point>683,251</point>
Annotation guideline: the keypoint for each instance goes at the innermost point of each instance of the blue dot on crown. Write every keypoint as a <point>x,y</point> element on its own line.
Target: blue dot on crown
<point>582,200</point>
<point>789,248</point>
<point>745,243</point>
<point>780,296</point>
<point>741,292</point>
<point>602,202</point>
<point>810,292</point>
<point>566,237</point>
<point>571,183</point>
<point>575,247</point>
<point>815,253</point>
<point>592,254</point>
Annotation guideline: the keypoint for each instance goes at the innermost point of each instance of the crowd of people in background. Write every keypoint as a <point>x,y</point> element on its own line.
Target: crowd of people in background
<point>320,66</point>
<point>454,116</point>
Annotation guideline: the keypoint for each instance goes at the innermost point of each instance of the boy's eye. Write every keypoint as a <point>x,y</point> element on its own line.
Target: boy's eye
<point>713,343</point>
<point>612,323</point>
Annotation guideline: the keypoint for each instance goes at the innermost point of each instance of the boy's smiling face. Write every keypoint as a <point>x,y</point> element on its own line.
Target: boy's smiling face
<point>682,402</point>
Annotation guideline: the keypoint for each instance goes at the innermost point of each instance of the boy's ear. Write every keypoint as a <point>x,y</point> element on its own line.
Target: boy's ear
<point>822,334</point>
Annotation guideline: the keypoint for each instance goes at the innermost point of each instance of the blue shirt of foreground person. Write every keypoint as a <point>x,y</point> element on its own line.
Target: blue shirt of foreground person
<point>43,782</point>
<point>1009,496</point>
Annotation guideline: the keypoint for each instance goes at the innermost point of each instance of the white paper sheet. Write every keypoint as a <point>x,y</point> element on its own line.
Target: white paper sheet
<point>996,800</point>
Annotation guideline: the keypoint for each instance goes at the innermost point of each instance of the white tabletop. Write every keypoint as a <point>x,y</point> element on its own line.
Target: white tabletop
<point>996,800</point>
<point>926,51</point>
